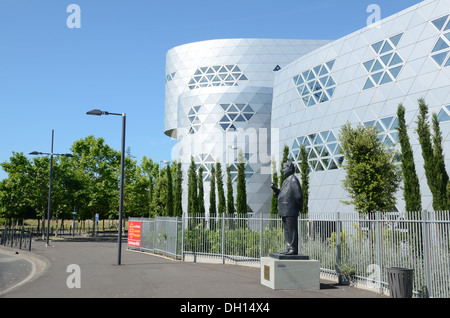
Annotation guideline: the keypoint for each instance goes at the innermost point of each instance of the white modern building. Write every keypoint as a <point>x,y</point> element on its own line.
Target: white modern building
<point>259,95</point>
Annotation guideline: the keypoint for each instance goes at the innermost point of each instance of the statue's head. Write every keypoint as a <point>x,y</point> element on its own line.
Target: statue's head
<point>288,168</point>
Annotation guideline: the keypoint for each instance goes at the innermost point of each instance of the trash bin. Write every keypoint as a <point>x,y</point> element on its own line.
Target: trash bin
<point>400,282</point>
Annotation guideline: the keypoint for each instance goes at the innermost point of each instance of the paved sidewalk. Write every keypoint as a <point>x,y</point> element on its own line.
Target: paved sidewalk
<point>140,275</point>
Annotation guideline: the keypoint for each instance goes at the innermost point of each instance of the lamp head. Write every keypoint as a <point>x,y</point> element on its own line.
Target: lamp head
<point>96,112</point>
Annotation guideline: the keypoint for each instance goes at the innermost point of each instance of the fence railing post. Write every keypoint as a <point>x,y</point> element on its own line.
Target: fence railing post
<point>261,237</point>
<point>223,238</point>
<point>379,245</point>
<point>338,245</point>
<point>426,250</point>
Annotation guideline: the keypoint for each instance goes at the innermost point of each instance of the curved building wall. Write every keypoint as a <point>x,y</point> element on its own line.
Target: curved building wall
<point>361,79</point>
<point>219,100</point>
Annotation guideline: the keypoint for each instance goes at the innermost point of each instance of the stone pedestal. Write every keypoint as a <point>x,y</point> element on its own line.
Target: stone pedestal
<point>296,272</point>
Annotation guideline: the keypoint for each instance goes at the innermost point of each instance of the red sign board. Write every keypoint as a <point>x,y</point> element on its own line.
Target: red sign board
<point>134,233</point>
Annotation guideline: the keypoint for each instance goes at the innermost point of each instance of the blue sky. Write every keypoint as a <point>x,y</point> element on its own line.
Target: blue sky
<point>50,75</point>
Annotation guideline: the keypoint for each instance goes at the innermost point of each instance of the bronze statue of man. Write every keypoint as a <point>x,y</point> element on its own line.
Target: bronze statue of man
<point>290,203</point>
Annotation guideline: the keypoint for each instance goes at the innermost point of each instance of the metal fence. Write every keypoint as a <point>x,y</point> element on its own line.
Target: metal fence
<point>346,244</point>
<point>16,238</point>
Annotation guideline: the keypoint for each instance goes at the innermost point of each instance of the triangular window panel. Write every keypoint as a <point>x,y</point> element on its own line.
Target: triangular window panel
<point>377,77</point>
<point>377,46</point>
<point>386,79</point>
<point>243,78</point>
<point>443,116</point>
<point>232,116</point>
<point>225,106</point>
<point>277,68</point>
<point>248,116</point>
<point>439,23</point>
<point>332,147</point>
<point>323,71</point>
<point>323,80</point>
<point>447,27</point>
<point>233,109</point>
<point>224,119</point>
<point>386,58</point>
<point>317,70</point>
<point>330,91</point>
<point>440,45</point>
<point>248,109</point>
<point>324,98</point>
<point>333,165</point>
<point>331,82</point>
<point>236,69</point>
<point>368,65</point>
<point>387,122</point>
<point>378,66</point>
<point>295,79</point>
<point>306,100</point>
<point>225,126</point>
<point>396,39</point>
<point>395,71</point>
<point>448,63</point>
<point>369,84</point>
<point>330,64</point>
<point>386,48</point>
<point>440,58</point>
<point>396,60</point>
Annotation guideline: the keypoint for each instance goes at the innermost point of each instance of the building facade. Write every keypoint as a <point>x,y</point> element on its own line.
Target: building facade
<point>361,79</point>
<point>219,103</point>
<point>258,95</point>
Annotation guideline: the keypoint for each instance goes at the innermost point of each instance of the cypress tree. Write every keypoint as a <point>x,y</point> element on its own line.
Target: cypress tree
<point>169,195</point>
<point>192,189</point>
<point>411,192</point>
<point>178,207</point>
<point>230,197</point>
<point>283,161</point>
<point>221,207</point>
<point>241,197</point>
<point>304,170</point>
<point>212,192</point>
<point>274,199</point>
<point>439,164</point>
<point>435,173</point>
<point>201,199</point>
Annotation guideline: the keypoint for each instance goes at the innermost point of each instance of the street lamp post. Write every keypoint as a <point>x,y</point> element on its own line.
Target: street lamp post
<point>50,182</point>
<point>98,112</point>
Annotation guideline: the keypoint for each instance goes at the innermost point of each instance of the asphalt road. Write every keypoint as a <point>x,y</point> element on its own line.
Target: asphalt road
<point>87,268</point>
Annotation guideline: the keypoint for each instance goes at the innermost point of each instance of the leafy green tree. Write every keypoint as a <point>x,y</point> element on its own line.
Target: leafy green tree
<point>411,192</point>
<point>212,192</point>
<point>432,154</point>
<point>241,196</point>
<point>192,189</point>
<point>372,177</point>
<point>15,191</point>
<point>100,166</point>
<point>230,197</point>
<point>304,170</point>
<point>221,207</point>
<point>274,199</point>
<point>201,192</point>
